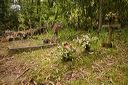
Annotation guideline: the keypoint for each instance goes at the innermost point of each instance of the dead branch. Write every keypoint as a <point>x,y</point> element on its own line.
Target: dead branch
<point>23,73</point>
<point>32,47</point>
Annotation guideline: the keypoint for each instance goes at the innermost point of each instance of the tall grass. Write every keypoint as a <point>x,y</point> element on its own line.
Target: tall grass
<point>125,34</point>
<point>102,37</point>
<point>68,34</point>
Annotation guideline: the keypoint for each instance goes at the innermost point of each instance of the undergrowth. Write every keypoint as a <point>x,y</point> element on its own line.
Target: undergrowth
<point>104,66</point>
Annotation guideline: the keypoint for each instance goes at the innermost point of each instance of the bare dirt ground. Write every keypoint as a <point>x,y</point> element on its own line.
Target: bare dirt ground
<point>11,69</point>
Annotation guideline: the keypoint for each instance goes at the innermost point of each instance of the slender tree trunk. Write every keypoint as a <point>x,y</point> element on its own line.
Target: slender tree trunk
<point>38,5</point>
<point>110,34</point>
<point>100,15</point>
<point>32,1</point>
<point>78,22</point>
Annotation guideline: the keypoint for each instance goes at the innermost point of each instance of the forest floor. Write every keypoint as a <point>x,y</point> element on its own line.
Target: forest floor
<point>106,66</point>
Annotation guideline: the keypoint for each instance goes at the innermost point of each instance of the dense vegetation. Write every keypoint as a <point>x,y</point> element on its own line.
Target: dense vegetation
<point>90,47</point>
<point>73,13</point>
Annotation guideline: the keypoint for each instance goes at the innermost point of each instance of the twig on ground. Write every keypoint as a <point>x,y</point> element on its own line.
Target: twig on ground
<point>23,73</point>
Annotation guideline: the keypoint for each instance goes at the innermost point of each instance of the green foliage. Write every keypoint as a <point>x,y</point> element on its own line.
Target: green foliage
<point>67,56</point>
<point>21,21</point>
<point>4,13</point>
<point>84,40</point>
<point>67,34</point>
<point>125,35</point>
<point>75,14</point>
<point>66,52</point>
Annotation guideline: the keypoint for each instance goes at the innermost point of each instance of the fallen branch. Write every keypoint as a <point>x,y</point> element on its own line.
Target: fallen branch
<point>23,73</point>
<point>32,47</point>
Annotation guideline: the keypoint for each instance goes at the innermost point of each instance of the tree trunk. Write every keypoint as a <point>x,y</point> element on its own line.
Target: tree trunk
<point>110,34</point>
<point>100,15</point>
<point>38,5</point>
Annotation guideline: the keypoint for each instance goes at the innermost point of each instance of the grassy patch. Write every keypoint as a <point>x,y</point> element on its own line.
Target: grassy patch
<point>104,66</point>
